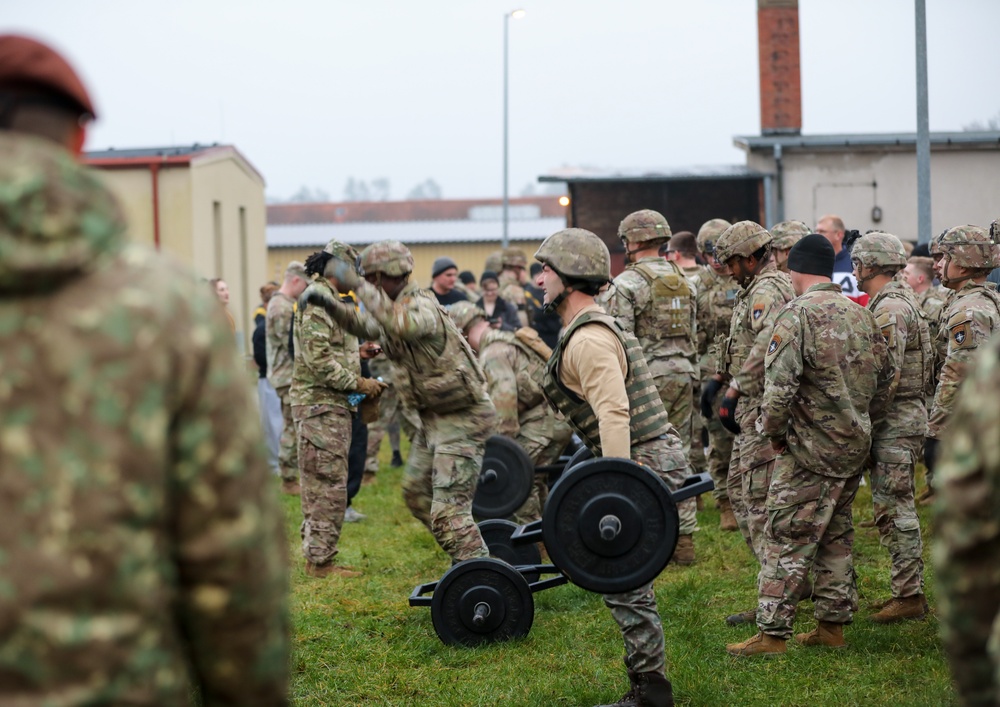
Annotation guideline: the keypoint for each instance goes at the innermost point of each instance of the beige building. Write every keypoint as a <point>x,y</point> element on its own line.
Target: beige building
<point>204,205</point>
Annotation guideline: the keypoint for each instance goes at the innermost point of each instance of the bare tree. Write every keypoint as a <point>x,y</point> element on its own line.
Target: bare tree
<point>380,189</point>
<point>427,189</point>
<point>980,126</point>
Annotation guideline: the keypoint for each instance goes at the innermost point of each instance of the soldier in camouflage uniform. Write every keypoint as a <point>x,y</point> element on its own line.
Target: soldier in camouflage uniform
<point>437,375</point>
<point>388,420</point>
<point>783,236</point>
<point>598,378</point>
<point>966,550</point>
<point>898,440</point>
<point>514,364</point>
<point>143,545</point>
<point>278,328</point>
<point>653,300</point>
<point>966,254</point>
<point>745,247</point>
<point>514,264</point>
<point>716,297</point>
<point>826,380</point>
<point>327,369</point>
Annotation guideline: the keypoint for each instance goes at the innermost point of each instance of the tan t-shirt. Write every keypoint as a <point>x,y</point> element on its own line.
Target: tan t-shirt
<point>594,367</point>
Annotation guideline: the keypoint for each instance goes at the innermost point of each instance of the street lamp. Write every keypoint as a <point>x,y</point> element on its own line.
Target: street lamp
<point>505,240</point>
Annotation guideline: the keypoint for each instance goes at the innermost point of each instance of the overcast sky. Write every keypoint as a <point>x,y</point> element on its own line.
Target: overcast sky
<point>316,92</point>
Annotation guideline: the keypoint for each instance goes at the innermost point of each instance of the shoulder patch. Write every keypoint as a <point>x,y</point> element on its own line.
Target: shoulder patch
<point>889,334</point>
<point>961,337</point>
<point>775,343</point>
<point>757,311</point>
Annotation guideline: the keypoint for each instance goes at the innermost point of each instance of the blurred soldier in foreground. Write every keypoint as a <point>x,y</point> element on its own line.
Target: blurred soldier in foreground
<point>438,376</point>
<point>514,364</point>
<point>967,540</point>
<point>653,300</point>
<point>143,544</point>
<point>327,370</point>
<point>511,280</point>
<point>598,378</point>
<point>716,296</point>
<point>826,380</point>
<point>966,256</point>
<point>898,440</point>
<point>745,247</point>
<point>783,236</point>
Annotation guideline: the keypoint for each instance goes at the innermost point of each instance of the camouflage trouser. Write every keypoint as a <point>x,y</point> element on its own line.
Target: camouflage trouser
<point>895,513</point>
<point>388,421</point>
<point>720,451</point>
<point>324,439</point>
<point>288,454</point>
<point>697,456</point>
<point>642,631</point>
<point>750,451</point>
<point>675,392</point>
<point>665,456</point>
<point>809,528</point>
<point>440,479</point>
<point>543,438</point>
<point>756,483</point>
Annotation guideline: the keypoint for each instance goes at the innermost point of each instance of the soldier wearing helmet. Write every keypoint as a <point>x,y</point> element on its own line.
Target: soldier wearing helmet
<point>965,255</point>
<point>745,247</point>
<point>327,369</point>
<point>513,275</point>
<point>438,376</point>
<point>653,299</point>
<point>783,236</point>
<point>716,297</point>
<point>898,439</point>
<point>598,378</point>
<point>514,363</point>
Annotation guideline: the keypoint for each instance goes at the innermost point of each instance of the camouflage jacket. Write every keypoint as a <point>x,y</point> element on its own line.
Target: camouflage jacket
<point>327,364</point>
<point>716,298</point>
<point>907,336</point>
<point>826,380</point>
<point>659,307</point>
<point>972,316</point>
<point>515,376</point>
<point>280,312</point>
<point>144,548</point>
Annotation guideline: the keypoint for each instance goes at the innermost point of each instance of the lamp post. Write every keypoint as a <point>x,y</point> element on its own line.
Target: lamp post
<point>505,240</point>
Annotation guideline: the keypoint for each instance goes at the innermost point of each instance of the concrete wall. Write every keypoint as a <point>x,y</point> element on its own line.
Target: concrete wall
<point>964,187</point>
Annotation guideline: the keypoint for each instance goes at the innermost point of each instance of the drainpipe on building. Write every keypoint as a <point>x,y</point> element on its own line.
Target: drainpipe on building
<point>779,210</point>
<point>154,171</point>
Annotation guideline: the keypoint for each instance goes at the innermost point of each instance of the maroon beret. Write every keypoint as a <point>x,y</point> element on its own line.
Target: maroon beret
<point>27,63</point>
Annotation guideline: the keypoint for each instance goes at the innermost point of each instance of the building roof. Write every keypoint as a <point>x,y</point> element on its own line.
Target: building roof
<point>414,210</point>
<point>129,158</point>
<point>669,174</point>
<point>281,235</point>
<point>854,142</point>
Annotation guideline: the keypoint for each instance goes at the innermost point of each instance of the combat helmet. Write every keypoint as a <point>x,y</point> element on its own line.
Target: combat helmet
<point>513,258</point>
<point>743,238</point>
<point>644,226</point>
<point>577,254</point>
<point>787,233</point>
<point>879,250</point>
<point>390,258</point>
<point>494,262</point>
<point>341,251</point>
<point>709,233</point>
<point>968,247</point>
<point>464,313</point>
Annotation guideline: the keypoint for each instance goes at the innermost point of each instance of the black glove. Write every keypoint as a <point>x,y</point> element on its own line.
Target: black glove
<point>930,453</point>
<point>727,414</point>
<point>708,394</point>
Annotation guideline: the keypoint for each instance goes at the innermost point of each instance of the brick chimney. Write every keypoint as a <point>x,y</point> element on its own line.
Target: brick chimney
<point>780,81</point>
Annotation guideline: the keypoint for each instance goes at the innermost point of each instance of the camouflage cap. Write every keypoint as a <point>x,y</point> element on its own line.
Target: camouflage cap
<point>878,249</point>
<point>342,251</point>
<point>968,247</point>
<point>644,226</point>
<point>742,238</point>
<point>787,233</point>
<point>390,258</point>
<point>709,233</point>
<point>494,261</point>
<point>465,313</point>
<point>514,258</point>
<point>576,253</point>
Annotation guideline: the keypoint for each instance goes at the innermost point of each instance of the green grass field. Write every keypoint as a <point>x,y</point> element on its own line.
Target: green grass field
<point>356,641</point>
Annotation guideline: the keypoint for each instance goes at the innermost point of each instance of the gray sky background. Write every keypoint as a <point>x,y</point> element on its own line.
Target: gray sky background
<point>316,92</point>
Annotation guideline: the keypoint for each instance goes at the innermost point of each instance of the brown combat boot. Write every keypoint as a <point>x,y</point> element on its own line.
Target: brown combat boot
<point>826,634</point>
<point>898,609</point>
<point>727,521</point>
<point>328,568</point>
<point>763,644</point>
<point>648,690</point>
<point>684,552</point>
<point>292,488</point>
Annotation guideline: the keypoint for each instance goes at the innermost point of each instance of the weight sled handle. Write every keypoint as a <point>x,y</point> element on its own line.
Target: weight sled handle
<point>693,486</point>
<point>530,533</point>
<point>541,584</point>
<point>417,597</point>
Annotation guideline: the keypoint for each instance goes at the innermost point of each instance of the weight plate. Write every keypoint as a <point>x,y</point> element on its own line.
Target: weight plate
<point>580,455</point>
<point>505,479</point>
<point>496,533</point>
<point>482,601</point>
<point>611,525</point>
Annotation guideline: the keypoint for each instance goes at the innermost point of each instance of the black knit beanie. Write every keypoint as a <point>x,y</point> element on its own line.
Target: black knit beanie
<point>812,255</point>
